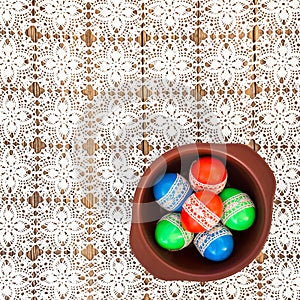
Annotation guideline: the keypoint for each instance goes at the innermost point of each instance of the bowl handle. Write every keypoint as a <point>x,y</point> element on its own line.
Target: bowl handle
<point>258,167</point>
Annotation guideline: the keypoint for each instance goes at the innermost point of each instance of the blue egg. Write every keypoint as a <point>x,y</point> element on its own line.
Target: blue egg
<point>171,191</point>
<point>163,185</point>
<point>216,244</point>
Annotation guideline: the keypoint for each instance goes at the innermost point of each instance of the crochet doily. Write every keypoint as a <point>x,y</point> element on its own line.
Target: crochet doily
<point>93,91</point>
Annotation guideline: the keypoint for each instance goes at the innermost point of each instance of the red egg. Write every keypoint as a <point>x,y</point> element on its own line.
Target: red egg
<point>208,173</point>
<point>201,211</point>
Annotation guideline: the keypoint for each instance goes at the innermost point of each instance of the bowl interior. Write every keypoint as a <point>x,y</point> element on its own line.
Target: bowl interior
<point>189,259</point>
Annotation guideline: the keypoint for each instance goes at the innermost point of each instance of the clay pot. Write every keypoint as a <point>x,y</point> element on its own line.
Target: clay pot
<point>247,171</point>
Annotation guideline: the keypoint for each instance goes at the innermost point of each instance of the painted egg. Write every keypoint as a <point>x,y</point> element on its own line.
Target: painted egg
<point>208,173</point>
<point>239,210</point>
<point>216,244</point>
<point>169,233</point>
<point>171,191</point>
<point>201,211</point>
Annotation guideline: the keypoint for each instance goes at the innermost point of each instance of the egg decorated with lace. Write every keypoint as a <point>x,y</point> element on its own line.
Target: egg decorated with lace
<point>201,211</point>
<point>239,209</point>
<point>208,173</point>
<point>170,235</point>
<point>171,191</point>
<point>216,244</point>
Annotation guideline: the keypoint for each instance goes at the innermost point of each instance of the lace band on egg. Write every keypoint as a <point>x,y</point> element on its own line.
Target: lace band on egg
<point>175,195</point>
<point>198,186</point>
<point>202,240</point>
<point>175,220</point>
<point>200,213</point>
<point>234,205</point>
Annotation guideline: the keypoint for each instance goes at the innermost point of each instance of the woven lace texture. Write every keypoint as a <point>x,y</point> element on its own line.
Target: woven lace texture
<point>94,91</point>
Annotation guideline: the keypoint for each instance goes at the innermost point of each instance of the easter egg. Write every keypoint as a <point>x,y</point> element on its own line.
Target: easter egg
<point>170,235</point>
<point>239,210</point>
<point>201,211</point>
<point>208,173</point>
<point>171,191</point>
<point>216,244</point>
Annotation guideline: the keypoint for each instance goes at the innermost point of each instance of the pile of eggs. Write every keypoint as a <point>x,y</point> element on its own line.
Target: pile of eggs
<point>201,205</point>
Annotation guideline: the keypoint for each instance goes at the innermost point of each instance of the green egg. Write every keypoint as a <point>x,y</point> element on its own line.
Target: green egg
<point>169,233</point>
<point>239,211</point>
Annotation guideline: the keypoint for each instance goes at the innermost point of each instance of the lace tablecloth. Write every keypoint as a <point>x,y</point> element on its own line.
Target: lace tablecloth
<point>93,91</point>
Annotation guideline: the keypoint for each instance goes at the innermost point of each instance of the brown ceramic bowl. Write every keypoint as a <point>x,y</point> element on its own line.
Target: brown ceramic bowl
<point>247,171</point>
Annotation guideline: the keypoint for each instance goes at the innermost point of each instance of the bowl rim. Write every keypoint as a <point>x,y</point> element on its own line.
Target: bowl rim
<point>232,151</point>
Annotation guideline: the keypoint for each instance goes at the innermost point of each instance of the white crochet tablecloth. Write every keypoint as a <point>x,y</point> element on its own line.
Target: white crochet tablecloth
<point>93,91</point>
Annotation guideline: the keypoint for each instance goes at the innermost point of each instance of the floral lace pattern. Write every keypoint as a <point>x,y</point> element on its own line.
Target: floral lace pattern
<point>117,15</point>
<point>12,281</point>
<point>282,62</point>
<point>279,118</point>
<point>11,225</point>
<point>13,62</point>
<point>227,64</point>
<point>61,278</point>
<point>94,91</point>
